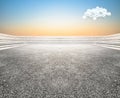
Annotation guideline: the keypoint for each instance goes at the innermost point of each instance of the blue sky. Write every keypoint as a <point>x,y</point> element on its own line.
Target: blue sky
<point>20,12</point>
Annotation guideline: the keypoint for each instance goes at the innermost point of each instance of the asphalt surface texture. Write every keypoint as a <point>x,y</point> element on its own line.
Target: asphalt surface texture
<point>60,71</point>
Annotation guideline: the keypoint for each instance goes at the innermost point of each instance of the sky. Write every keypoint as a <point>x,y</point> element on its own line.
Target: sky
<point>60,17</point>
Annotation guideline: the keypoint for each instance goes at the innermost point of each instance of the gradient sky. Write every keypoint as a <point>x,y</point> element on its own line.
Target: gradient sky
<point>57,17</point>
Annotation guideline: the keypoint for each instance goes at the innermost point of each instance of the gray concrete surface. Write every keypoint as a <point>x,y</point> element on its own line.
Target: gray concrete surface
<point>60,71</point>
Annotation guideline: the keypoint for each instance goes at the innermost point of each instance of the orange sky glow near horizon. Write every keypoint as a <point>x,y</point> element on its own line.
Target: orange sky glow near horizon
<point>62,30</point>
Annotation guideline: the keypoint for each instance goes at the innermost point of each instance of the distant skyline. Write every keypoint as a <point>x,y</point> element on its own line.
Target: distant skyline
<point>59,17</point>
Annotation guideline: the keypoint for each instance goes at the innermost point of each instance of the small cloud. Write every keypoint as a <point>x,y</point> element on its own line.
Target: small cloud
<point>95,13</point>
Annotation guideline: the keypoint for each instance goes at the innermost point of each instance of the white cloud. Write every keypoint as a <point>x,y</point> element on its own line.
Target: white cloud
<point>96,13</point>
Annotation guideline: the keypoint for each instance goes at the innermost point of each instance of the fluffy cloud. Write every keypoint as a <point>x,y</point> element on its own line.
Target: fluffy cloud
<point>95,13</point>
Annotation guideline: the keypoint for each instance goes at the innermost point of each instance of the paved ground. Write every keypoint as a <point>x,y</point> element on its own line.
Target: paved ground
<point>60,71</point>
